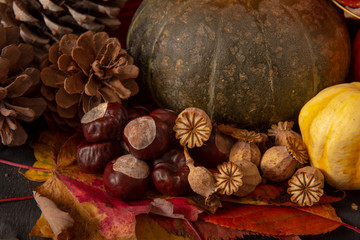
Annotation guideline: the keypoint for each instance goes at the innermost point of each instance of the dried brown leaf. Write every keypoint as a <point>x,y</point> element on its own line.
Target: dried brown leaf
<point>58,220</point>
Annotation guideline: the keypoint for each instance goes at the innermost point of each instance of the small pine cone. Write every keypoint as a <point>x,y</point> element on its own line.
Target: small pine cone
<point>81,72</point>
<point>18,86</point>
<point>43,22</point>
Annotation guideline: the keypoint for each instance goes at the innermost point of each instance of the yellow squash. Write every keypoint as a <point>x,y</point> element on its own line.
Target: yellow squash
<point>330,127</point>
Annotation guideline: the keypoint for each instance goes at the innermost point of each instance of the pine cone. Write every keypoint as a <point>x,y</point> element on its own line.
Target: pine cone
<point>43,22</point>
<point>81,72</point>
<point>17,87</point>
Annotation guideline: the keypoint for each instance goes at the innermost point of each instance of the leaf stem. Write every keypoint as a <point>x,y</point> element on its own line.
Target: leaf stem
<point>193,228</point>
<point>24,166</point>
<point>15,199</point>
<point>351,227</point>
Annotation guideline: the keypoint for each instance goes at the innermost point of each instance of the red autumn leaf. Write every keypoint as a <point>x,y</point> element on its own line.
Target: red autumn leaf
<point>275,194</point>
<point>274,220</point>
<point>96,214</point>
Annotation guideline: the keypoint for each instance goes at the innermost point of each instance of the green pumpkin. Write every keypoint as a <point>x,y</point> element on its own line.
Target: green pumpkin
<point>250,62</point>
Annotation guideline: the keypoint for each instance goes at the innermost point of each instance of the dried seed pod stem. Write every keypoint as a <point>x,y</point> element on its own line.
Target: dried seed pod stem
<point>306,186</point>
<point>201,180</point>
<point>193,127</point>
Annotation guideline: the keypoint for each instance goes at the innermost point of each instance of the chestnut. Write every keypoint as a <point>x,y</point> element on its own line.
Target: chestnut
<point>170,174</point>
<point>93,157</point>
<point>146,137</point>
<point>168,116</point>
<point>215,151</point>
<point>126,178</point>
<point>137,111</point>
<point>104,122</point>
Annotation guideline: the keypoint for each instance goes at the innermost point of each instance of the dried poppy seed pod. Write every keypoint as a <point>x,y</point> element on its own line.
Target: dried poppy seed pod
<point>306,186</point>
<point>193,127</point>
<point>251,178</point>
<point>201,180</point>
<point>282,131</point>
<point>277,164</point>
<point>229,178</point>
<point>280,162</point>
<point>245,151</point>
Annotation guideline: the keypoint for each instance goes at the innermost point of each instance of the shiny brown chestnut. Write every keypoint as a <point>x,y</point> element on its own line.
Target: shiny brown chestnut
<point>170,174</point>
<point>104,122</point>
<point>146,137</point>
<point>215,151</point>
<point>137,111</point>
<point>126,178</point>
<point>168,116</point>
<point>93,157</point>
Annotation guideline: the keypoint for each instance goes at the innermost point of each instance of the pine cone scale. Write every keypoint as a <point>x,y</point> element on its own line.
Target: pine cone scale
<point>52,77</point>
<point>19,86</point>
<point>38,105</point>
<point>74,84</point>
<point>65,100</point>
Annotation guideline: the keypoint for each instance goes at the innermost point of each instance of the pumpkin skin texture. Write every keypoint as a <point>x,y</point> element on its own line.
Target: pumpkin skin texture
<point>247,62</point>
<point>330,127</point>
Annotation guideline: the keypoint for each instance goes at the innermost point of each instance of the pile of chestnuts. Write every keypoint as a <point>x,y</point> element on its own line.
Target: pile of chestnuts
<point>132,147</point>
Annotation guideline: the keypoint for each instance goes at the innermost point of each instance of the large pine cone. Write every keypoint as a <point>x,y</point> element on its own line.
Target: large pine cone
<point>18,85</point>
<point>43,22</point>
<point>81,72</point>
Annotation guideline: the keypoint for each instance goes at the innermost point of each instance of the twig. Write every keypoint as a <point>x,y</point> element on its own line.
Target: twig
<point>25,166</point>
<point>15,199</point>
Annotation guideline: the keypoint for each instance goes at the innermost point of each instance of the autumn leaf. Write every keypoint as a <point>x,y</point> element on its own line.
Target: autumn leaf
<point>277,220</point>
<point>96,215</point>
<point>275,194</point>
<point>46,151</point>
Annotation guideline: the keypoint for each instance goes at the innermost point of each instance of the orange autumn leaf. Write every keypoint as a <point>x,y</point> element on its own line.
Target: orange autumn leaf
<point>274,220</point>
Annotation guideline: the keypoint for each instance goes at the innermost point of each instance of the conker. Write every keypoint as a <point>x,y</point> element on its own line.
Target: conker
<point>93,157</point>
<point>126,178</point>
<point>215,151</point>
<point>104,122</point>
<point>137,111</point>
<point>170,174</point>
<point>146,137</point>
<point>168,116</point>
